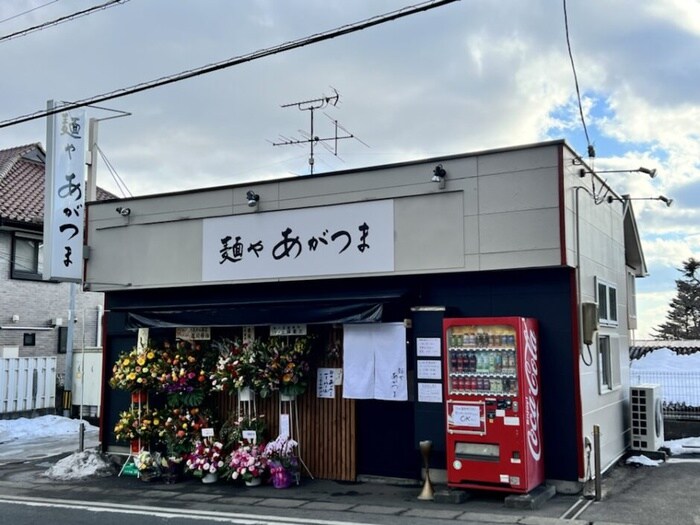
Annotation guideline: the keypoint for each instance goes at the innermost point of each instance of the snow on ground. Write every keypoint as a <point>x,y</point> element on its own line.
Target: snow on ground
<point>689,445</point>
<point>38,427</point>
<point>644,461</point>
<point>81,465</point>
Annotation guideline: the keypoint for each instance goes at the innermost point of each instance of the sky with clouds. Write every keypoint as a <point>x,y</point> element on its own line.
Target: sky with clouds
<point>466,76</point>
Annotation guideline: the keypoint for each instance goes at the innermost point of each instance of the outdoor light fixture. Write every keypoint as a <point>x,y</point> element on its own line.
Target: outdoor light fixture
<point>439,175</point>
<point>651,172</point>
<point>253,198</point>
<point>661,198</point>
<point>123,211</point>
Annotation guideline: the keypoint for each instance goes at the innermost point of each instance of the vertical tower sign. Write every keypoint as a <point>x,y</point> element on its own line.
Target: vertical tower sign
<point>64,204</point>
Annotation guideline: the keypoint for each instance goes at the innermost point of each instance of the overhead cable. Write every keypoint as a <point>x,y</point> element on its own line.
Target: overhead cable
<point>27,11</point>
<point>591,150</point>
<point>255,55</point>
<point>61,20</point>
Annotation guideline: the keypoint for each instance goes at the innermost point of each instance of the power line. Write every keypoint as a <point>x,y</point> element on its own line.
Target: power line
<point>591,150</point>
<point>27,11</point>
<point>62,19</point>
<point>255,55</point>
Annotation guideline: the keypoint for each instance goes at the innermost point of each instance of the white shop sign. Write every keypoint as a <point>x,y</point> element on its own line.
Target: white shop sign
<point>327,240</point>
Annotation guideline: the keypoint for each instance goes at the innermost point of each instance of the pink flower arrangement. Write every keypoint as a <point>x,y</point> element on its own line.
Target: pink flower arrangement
<point>247,462</point>
<point>206,457</point>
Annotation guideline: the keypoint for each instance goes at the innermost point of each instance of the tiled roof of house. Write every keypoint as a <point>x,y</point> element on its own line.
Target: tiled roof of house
<point>22,185</point>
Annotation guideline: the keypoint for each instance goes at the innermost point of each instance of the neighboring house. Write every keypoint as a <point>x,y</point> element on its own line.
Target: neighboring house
<point>527,231</point>
<point>34,312</point>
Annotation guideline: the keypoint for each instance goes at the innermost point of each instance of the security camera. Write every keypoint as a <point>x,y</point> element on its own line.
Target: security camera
<point>253,198</point>
<point>123,211</point>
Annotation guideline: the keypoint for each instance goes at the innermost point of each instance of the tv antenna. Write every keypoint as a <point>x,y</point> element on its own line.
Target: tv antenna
<point>314,140</point>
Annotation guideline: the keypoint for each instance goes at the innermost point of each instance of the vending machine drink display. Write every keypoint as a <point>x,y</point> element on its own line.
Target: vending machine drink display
<point>492,404</point>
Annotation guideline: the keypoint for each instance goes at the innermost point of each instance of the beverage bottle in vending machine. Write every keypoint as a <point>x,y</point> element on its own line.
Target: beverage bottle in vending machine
<point>487,383</point>
<point>472,362</point>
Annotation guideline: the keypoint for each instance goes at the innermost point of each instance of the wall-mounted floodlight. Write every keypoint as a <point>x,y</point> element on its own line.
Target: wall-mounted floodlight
<point>439,175</point>
<point>124,212</point>
<point>661,198</point>
<point>253,198</point>
<point>651,172</point>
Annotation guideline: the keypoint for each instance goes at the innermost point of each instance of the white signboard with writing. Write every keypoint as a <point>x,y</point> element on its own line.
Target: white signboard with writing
<point>64,198</point>
<point>325,383</point>
<point>429,369</point>
<point>142,339</point>
<point>327,240</point>
<point>430,392</point>
<point>428,347</point>
<point>284,425</point>
<point>466,416</point>
<point>196,333</point>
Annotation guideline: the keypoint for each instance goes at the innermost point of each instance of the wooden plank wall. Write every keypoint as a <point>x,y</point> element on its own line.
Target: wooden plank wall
<point>326,429</point>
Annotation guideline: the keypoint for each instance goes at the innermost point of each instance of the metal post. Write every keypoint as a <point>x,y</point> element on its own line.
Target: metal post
<point>596,451</point>
<point>81,437</point>
<point>68,382</point>
<point>91,194</point>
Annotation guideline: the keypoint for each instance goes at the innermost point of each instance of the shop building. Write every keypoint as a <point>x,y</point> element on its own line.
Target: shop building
<point>525,231</point>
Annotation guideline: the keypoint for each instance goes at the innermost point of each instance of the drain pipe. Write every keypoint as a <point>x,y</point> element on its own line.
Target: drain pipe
<point>596,451</point>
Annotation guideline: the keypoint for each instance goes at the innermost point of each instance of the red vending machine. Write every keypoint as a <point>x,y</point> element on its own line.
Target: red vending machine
<point>492,399</point>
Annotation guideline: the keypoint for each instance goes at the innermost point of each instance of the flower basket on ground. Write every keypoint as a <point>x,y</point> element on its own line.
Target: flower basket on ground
<point>136,370</point>
<point>148,465</point>
<point>206,458</point>
<point>248,463</point>
<point>283,461</point>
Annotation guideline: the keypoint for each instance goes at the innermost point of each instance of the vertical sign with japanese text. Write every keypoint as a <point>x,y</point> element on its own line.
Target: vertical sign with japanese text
<point>327,240</point>
<point>64,199</point>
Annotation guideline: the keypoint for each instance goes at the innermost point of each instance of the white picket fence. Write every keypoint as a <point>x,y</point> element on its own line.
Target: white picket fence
<point>27,383</point>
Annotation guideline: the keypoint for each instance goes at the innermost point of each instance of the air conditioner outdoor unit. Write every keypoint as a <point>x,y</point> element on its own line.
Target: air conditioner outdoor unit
<point>647,417</point>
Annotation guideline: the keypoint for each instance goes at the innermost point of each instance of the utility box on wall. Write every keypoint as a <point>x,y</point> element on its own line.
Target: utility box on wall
<point>87,380</point>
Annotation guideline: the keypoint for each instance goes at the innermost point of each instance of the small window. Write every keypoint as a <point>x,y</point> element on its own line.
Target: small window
<point>29,340</point>
<point>607,303</point>
<point>608,363</point>
<point>27,257</point>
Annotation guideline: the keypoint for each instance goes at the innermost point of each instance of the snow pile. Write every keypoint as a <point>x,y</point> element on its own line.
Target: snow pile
<point>689,445</point>
<point>44,426</point>
<point>644,461</point>
<point>81,465</point>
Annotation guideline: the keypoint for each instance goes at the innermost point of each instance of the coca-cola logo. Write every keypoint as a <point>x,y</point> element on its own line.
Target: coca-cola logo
<point>532,413</point>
